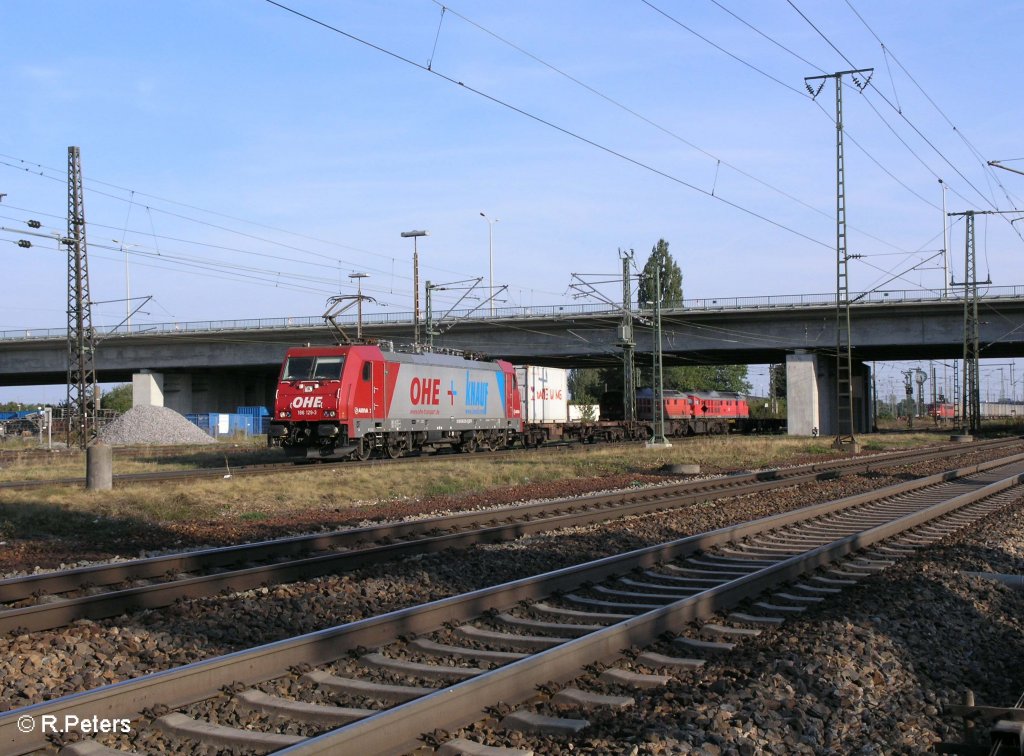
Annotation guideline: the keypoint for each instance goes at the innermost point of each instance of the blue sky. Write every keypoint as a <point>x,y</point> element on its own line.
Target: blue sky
<point>282,156</point>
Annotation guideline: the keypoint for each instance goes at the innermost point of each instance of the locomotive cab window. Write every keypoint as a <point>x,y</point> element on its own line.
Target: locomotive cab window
<point>328,368</point>
<point>313,368</point>
<point>367,371</point>
<point>297,368</point>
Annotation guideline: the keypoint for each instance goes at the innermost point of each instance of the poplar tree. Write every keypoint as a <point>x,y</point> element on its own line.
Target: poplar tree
<point>669,273</point>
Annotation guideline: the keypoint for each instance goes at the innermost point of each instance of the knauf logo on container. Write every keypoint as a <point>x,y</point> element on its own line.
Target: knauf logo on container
<point>307,402</point>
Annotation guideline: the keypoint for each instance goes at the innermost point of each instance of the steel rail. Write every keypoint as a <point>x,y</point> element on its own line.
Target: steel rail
<point>465,529</point>
<point>13,589</point>
<point>203,679</point>
<point>400,727</point>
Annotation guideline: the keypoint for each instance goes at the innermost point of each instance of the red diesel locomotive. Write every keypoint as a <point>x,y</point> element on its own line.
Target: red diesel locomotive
<point>689,413</point>
<point>357,400</point>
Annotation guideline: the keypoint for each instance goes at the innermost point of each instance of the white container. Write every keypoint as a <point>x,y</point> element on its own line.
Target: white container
<point>544,392</point>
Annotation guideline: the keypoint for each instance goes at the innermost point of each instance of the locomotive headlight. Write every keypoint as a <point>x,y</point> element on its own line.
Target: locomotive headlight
<point>329,413</point>
<point>286,413</point>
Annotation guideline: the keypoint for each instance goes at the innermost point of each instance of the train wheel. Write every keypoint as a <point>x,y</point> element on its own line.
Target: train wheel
<point>469,445</point>
<point>362,452</point>
<point>393,448</point>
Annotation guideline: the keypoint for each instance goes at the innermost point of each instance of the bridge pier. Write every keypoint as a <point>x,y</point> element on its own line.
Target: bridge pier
<point>811,394</point>
<point>205,391</point>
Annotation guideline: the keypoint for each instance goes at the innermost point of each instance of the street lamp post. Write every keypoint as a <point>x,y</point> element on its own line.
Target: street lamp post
<point>359,302</point>
<point>490,256</point>
<point>415,286</point>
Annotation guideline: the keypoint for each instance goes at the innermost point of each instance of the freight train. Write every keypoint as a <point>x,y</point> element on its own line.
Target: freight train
<point>944,412</point>
<point>360,400</point>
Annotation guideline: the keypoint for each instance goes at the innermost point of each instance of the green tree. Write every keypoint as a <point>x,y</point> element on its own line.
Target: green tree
<point>118,398</point>
<point>585,385</point>
<point>708,378</point>
<point>778,379</point>
<point>671,278</point>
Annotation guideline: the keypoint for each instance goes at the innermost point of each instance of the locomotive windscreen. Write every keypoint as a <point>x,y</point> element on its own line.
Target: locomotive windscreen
<point>313,368</point>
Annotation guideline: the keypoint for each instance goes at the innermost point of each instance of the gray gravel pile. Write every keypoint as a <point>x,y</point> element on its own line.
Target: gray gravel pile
<point>153,425</point>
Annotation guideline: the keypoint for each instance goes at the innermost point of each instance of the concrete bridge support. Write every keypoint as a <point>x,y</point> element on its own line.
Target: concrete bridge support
<point>205,391</point>
<point>811,395</point>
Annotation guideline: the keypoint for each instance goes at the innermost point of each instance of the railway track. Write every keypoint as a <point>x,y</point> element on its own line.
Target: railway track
<point>54,599</point>
<point>378,685</point>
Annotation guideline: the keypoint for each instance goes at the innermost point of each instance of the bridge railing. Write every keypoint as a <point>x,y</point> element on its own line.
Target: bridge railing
<point>508,313</point>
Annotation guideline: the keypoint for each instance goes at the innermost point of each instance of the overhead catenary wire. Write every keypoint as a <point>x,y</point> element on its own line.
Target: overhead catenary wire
<point>719,161</point>
<point>803,95</point>
<point>550,124</point>
<point>41,170</point>
<point>902,115</point>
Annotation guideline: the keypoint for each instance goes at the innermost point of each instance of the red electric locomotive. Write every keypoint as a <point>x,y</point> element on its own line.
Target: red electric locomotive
<point>357,400</point>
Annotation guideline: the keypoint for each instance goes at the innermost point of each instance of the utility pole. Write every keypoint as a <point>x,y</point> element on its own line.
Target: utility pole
<point>428,291</point>
<point>908,388</point>
<point>971,415</point>
<point>358,277</point>
<point>415,285</point>
<point>658,377</point>
<point>945,245</point>
<point>920,376</point>
<point>626,341</point>
<point>83,391</point>
<point>845,438</point>
<point>874,400</point>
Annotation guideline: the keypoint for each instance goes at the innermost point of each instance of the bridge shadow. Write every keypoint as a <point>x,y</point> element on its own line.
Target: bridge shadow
<point>213,455</point>
<point>48,534</point>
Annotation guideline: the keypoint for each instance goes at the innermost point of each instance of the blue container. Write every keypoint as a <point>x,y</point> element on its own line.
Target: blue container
<point>240,423</point>
<point>204,422</point>
<point>256,411</point>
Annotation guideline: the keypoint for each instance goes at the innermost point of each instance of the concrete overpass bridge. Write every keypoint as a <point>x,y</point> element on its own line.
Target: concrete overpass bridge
<point>210,366</point>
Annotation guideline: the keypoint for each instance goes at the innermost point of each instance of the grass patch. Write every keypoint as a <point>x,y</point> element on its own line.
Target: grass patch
<point>60,511</point>
<point>445,487</point>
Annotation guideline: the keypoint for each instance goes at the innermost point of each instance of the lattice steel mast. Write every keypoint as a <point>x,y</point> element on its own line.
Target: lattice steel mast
<point>970,416</point>
<point>972,390</point>
<point>844,354</point>
<point>82,397</point>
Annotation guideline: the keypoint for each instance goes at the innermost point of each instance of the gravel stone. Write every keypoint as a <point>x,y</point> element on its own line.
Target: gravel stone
<point>868,671</point>
<point>153,425</point>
